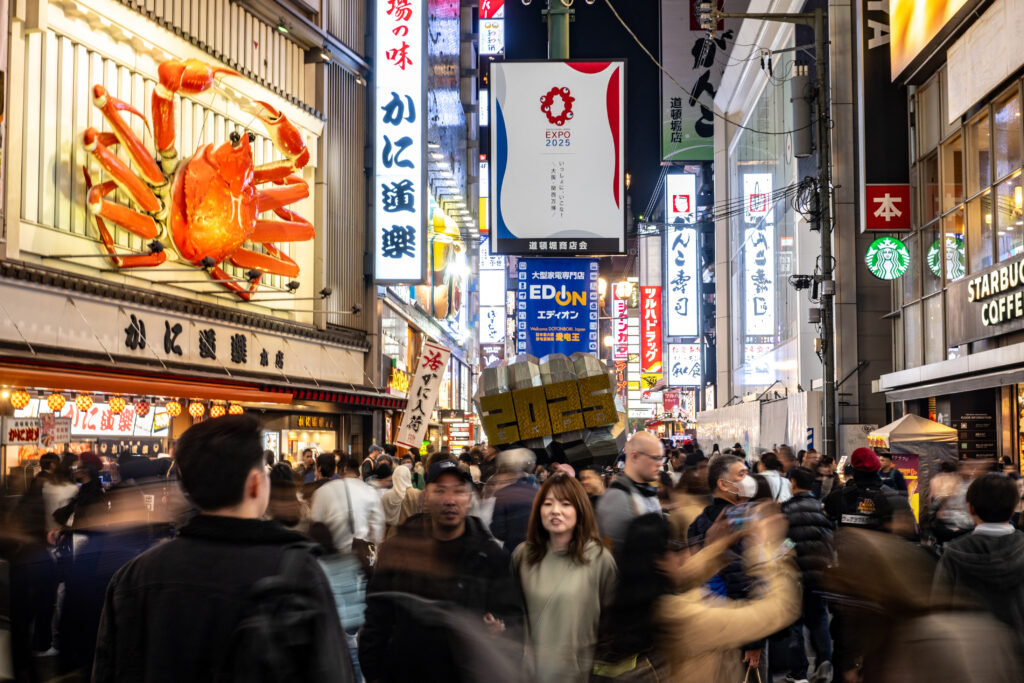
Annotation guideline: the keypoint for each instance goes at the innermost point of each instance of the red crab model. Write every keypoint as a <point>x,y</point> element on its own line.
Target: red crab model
<point>208,204</point>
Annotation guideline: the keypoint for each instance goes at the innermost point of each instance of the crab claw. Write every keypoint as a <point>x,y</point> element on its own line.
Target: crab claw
<point>283,132</point>
<point>191,76</point>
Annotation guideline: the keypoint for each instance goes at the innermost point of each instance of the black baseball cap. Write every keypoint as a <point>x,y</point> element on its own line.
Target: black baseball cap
<point>447,467</point>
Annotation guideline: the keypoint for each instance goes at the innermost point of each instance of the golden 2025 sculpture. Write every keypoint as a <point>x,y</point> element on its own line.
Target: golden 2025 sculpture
<point>209,203</point>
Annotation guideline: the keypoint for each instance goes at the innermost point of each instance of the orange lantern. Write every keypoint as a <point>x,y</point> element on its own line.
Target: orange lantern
<point>20,398</point>
<point>116,405</point>
<point>56,402</point>
<point>173,408</point>
<point>142,408</point>
<point>217,410</point>
<point>196,409</point>
<point>83,402</point>
<point>235,409</point>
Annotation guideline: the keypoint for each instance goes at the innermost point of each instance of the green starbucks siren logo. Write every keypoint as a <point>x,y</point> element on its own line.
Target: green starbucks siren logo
<point>887,258</point>
<point>955,268</point>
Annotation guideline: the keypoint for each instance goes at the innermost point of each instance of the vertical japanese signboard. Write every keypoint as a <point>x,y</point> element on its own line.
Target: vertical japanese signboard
<point>682,270</point>
<point>492,296</point>
<point>557,152</point>
<point>492,28</point>
<point>400,133</point>
<point>423,394</point>
<point>650,330</point>
<point>556,306</point>
<point>684,365</point>
<point>758,255</point>
<point>620,321</point>
<point>697,62</point>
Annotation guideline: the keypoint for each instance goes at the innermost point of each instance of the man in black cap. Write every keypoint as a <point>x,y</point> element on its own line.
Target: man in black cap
<point>441,558</point>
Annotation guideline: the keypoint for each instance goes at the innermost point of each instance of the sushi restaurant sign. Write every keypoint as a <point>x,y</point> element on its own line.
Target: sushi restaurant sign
<point>994,303</point>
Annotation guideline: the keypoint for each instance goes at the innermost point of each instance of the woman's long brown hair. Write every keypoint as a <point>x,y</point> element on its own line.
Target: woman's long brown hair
<point>562,487</point>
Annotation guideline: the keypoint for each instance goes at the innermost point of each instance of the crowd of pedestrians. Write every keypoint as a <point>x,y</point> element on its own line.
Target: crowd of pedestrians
<point>668,565</point>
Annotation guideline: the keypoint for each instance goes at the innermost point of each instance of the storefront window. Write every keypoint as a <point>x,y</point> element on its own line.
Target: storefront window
<point>1009,223</point>
<point>934,345</point>
<point>952,173</point>
<point>979,157</point>
<point>931,271</point>
<point>952,251</point>
<point>912,278</point>
<point>913,343</point>
<point>1007,134</point>
<point>929,116</point>
<point>979,236</point>
<point>930,183</point>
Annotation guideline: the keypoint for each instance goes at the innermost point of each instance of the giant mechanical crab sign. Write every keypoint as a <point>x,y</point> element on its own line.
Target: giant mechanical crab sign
<point>209,204</point>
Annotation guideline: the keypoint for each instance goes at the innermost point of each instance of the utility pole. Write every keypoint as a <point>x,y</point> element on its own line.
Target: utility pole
<point>709,17</point>
<point>559,15</point>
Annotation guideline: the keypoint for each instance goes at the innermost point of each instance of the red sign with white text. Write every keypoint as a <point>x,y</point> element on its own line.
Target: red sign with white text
<point>887,207</point>
<point>650,329</point>
<point>491,9</point>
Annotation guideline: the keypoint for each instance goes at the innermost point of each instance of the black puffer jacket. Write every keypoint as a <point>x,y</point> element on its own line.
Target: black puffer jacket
<point>811,531</point>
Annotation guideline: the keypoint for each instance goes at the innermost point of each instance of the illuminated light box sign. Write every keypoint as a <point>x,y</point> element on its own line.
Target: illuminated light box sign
<point>913,24</point>
<point>887,258</point>
<point>650,336</point>
<point>400,195</point>
<point>557,153</point>
<point>682,270</point>
<point>684,365</point>
<point>557,306</point>
<point>759,255</point>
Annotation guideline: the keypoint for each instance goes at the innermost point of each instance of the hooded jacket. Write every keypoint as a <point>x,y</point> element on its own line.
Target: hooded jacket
<point>988,570</point>
<point>811,531</point>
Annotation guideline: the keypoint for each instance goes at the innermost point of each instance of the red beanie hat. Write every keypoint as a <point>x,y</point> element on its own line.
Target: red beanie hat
<point>865,460</point>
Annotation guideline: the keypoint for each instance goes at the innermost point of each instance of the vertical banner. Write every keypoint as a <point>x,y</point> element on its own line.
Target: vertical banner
<point>758,255</point>
<point>557,306</point>
<point>650,330</point>
<point>557,152</point>
<point>620,321</point>
<point>682,267</point>
<point>431,369</point>
<point>400,124</point>
<point>492,27</point>
<point>684,365</point>
<point>697,63</point>
<point>492,322</point>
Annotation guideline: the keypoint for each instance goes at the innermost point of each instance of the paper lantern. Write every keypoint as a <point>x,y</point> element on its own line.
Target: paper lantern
<point>196,409</point>
<point>142,408</point>
<point>217,410</point>
<point>83,402</point>
<point>173,408</point>
<point>20,399</point>
<point>56,402</point>
<point>235,409</point>
<point>116,405</point>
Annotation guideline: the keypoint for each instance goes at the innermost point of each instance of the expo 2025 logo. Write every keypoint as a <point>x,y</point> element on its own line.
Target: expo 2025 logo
<point>548,100</point>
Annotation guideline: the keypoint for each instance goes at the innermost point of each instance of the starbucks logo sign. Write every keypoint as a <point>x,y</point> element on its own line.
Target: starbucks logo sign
<point>887,258</point>
<point>955,268</point>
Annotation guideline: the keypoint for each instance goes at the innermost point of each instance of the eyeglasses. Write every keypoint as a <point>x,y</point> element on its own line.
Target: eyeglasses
<point>656,458</point>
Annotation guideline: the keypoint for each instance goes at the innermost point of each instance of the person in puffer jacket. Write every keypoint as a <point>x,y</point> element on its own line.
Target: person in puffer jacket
<point>811,532</point>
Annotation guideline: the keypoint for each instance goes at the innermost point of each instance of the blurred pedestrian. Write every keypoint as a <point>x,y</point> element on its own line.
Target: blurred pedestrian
<point>868,504</point>
<point>772,470</point>
<point>567,577</point>
<point>350,509</point>
<point>631,493</point>
<point>391,500</point>
<point>593,484</point>
<point>370,462</point>
<point>307,471</point>
<point>284,505</point>
<point>174,613</point>
<point>441,555</point>
<point>514,500</point>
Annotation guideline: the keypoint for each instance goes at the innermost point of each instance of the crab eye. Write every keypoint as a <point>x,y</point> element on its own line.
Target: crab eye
<point>252,138</point>
<point>234,137</point>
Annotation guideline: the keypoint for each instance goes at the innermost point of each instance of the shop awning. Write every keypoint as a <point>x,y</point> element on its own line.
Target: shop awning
<point>956,386</point>
<point>75,378</point>
<point>353,397</point>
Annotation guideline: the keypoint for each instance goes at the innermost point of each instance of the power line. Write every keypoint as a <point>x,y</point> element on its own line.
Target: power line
<point>695,98</point>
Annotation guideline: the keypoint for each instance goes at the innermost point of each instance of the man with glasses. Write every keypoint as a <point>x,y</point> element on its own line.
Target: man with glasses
<point>441,567</point>
<point>631,493</point>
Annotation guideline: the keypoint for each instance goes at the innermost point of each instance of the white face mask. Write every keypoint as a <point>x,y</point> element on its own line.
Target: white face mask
<point>745,487</point>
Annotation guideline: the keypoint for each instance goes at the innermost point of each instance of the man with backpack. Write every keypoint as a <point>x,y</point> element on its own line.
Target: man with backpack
<point>631,493</point>
<point>233,597</point>
<point>868,503</point>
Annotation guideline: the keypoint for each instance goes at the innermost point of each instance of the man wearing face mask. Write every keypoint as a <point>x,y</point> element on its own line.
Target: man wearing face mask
<point>730,485</point>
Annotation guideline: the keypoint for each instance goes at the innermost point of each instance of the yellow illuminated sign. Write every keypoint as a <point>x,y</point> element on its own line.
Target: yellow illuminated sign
<point>913,24</point>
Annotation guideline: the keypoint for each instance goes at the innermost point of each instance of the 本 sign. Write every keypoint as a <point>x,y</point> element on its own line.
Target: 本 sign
<point>557,147</point>
<point>684,365</point>
<point>423,394</point>
<point>556,306</point>
<point>650,329</point>
<point>888,207</point>
<point>400,111</point>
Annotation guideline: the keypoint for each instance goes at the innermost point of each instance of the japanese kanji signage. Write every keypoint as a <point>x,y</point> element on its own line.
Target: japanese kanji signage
<point>758,255</point>
<point>682,269</point>
<point>887,207</point>
<point>23,431</point>
<point>400,133</point>
<point>556,306</point>
<point>423,394</point>
<point>697,62</point>
<point>492,28</point>
<point>684,366</point>
<point>650,329</point>
<point>491,323</point>
<point>557,147</point>
<point>620,321</point>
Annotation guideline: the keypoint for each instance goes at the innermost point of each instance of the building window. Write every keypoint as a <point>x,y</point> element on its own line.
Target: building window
<point>930,182</point>
<point>912,339</point>
<point>1006,114</point>
<point>929,116</point>
<point>951,251</point>
<point>979,232</point>
<point>952,173</point>
<point>934,345</point>
<point>912,278</point>
<point>1009,225</point>
<point>931,252</point>
<point>979,155</point>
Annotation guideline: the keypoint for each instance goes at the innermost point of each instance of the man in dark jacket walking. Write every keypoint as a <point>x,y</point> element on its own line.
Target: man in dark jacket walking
<point>811,531</point>
<point>986,566</point>
<point>170,613</point>
<point>868,504</point>
<point>514,501</point>
<point>441,557</point>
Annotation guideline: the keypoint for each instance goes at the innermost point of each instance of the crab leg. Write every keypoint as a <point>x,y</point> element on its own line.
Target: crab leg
<point>245,294</point>
<point>120,215</point>
<point>276,262</point>
<point>111,107</point>
<point>294,228</point>
<point>286,137</point>
<point>288,190</point>
<point>139,191</point>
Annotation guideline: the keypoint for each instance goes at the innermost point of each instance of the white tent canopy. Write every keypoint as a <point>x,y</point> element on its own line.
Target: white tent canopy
<point>914,434</point>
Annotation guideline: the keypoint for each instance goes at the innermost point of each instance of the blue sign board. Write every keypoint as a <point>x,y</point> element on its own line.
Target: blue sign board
<point>556,306</point>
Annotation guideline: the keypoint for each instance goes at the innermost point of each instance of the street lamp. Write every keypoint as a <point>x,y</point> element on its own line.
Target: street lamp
<point>608,341</point>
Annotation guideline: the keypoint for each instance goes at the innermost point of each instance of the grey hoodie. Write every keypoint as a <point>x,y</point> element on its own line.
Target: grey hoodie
<point>988,570</point>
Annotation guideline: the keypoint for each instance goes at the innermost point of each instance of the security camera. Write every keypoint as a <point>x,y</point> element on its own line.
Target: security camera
<point>801,281</point>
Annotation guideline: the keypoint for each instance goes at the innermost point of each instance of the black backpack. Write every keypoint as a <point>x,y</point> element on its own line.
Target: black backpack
<point>280,636</point>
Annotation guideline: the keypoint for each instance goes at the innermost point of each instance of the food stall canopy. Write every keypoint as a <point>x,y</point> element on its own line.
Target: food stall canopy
<point>914,434</point>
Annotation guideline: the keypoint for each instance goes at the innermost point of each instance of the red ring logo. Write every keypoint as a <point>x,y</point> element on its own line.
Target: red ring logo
<point>549,99</point>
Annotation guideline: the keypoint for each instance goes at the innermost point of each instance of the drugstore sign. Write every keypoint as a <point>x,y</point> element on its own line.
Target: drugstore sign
<point>986,304</point>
